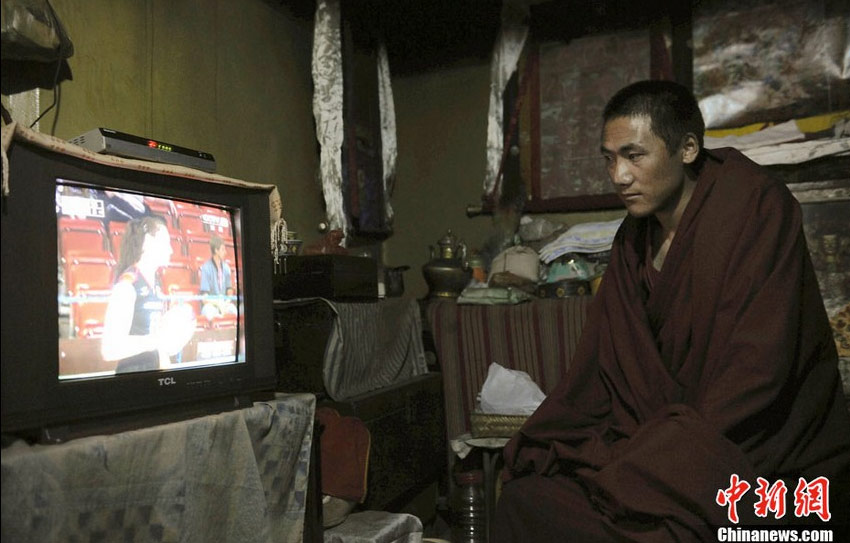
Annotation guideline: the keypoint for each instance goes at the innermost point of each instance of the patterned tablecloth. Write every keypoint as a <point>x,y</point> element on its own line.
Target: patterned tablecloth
<point>537,337</point>
<point>239,476</point>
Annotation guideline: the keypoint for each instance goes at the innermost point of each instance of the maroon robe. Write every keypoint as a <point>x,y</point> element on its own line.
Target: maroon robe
<point>726,365</point>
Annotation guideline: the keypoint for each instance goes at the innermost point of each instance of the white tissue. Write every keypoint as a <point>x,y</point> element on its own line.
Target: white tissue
<point>509,392</point>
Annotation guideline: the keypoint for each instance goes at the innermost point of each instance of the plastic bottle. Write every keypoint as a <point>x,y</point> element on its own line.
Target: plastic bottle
<point>469,512</point>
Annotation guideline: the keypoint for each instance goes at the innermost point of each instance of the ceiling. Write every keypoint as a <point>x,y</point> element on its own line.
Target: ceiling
<point>424,35</point>
<point>420,35</point>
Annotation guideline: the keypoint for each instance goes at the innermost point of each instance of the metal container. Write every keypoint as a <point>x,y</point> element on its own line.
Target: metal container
<point>394,280</point>
<point>447,273</point>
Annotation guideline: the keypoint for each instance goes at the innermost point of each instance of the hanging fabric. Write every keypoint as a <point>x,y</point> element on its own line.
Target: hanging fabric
<point>327,108</point>
<point>389,148</point>
<point>506,53</point>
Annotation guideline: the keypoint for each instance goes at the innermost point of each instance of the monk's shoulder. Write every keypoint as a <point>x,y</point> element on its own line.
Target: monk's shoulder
<point>742,181</point>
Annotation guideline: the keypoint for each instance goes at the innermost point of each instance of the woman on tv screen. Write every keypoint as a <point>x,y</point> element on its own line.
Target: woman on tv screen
<point>140,331</point>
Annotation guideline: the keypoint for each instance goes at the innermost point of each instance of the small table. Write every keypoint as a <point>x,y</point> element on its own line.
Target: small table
<point>238,476</point>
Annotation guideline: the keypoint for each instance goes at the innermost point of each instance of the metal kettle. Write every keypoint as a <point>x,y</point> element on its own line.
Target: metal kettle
<point>447,273</point>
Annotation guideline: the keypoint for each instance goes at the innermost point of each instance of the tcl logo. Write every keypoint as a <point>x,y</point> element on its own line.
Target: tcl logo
<point>165,381</point>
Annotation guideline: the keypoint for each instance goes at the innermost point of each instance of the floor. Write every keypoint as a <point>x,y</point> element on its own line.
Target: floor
<point>440,526</point>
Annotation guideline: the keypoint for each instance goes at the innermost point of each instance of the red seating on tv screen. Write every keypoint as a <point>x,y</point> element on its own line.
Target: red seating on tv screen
<point>88,318</point>
<point>193,225</point>
<point>86,274</point>
<point>74,242</point>
<point>217,221</point>
<point>186,207</point>
<point>80,223</point>
<point>178,274</point>
<point>198,250</point>
<point>161,207</point>
<point>88,281</point>
<point>178,246</point>
<point>115,232</point>
<point>228,320</point>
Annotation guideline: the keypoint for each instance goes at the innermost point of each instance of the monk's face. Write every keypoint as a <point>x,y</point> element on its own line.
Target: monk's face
<point>647,177</point>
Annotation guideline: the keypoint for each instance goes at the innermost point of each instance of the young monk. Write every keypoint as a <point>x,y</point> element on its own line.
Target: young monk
<point>707,359</point>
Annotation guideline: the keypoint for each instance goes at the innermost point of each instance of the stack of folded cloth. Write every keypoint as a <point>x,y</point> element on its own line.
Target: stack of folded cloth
<point>589,237</point>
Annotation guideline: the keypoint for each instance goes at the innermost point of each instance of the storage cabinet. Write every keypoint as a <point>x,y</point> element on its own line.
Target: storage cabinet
<point>408,449</point>
<point>406,419</point>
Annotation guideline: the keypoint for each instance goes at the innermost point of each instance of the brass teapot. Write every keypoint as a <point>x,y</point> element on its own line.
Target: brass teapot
<point>447,273</point>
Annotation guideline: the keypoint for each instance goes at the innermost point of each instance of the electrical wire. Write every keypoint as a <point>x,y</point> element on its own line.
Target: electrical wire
<point>55,93</point>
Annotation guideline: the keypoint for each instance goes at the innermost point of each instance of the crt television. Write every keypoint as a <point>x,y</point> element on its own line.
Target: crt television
<point>204,347</point>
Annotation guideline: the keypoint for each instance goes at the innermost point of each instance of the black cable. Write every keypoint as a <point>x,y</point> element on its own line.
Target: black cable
<point>55,93</point>
<point>7,117</point>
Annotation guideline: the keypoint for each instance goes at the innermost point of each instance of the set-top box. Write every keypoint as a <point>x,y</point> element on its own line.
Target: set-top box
<point>112,142</point>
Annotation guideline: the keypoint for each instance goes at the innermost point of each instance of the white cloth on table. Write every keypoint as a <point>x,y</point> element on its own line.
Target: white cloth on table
<point>239,476</point>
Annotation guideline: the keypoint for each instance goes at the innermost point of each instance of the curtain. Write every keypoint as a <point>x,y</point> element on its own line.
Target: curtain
<point>506,54</point>
<point>389,148</point>
<point>327,108</point>
<point>328,83</point>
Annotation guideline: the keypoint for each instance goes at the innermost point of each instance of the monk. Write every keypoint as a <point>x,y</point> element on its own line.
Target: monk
<point>706,375</point>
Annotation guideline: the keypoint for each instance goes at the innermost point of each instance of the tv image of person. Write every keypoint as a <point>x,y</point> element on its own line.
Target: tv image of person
<point>141,332</point>
<point>217,282</point>
<point>123,206</point>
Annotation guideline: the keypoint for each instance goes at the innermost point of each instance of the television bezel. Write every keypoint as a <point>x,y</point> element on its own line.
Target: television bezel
<point>35,402</point>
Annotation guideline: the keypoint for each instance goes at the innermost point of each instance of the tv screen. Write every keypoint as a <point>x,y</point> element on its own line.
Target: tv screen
<point>129,295</point>
<point>145,283</point>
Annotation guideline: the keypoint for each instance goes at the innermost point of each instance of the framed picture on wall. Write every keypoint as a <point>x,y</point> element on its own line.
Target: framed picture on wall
<point>569,69</point>
<point>561,120</point>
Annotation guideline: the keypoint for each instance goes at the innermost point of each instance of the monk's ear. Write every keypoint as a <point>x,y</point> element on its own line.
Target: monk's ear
<point>690,148</point>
